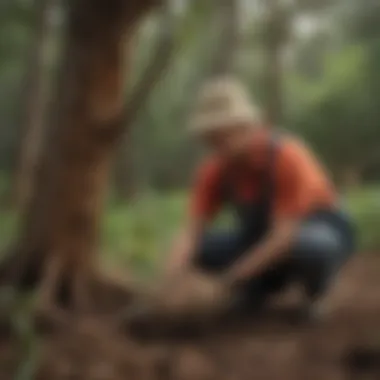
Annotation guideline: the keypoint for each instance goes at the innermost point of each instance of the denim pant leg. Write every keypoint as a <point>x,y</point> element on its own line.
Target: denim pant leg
<point>322,247</point>
<point>218,250</point>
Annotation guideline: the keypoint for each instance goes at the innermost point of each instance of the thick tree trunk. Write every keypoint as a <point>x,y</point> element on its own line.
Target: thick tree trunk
<point>34,91</point>
<point>62,226</point>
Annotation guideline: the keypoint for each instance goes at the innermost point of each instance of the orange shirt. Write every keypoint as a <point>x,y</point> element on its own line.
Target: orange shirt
<point>300,183</point>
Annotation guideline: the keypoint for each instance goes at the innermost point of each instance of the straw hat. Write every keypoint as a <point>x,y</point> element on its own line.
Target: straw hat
<point>222,103</point>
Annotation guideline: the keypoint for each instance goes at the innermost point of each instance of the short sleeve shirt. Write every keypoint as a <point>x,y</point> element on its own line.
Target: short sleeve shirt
<point>300,182</point>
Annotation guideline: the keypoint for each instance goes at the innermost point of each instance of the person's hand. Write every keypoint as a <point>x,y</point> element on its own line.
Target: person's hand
<point>192,292</point>
<point>230,280</point>
<point>174,271</point>
<point>233,286</point>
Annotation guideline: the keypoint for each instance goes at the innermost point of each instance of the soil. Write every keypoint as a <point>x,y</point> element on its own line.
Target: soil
<point>346,345</point>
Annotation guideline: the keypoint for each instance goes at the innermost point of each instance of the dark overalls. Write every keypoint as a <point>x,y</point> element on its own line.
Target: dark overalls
<point>323,244</point>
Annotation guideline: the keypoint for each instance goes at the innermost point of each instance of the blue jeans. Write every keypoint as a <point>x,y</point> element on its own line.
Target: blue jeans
<point>323,244</point>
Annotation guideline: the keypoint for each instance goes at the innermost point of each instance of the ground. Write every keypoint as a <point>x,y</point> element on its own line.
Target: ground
<point>263,349</point>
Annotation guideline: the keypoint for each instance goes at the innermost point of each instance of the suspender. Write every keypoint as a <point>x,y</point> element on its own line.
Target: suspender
<point>266,174</point>
<point>268,182</point>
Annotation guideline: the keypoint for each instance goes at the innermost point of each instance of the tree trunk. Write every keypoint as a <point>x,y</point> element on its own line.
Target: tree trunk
<point>125,179</point>
<point>61,231</point>
<point>351,178</point>
<point>225,57</point>
<point>34,91</point>
<point>275,39</point>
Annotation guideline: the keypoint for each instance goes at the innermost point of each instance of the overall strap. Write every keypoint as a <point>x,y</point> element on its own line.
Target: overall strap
<point>266,176</point>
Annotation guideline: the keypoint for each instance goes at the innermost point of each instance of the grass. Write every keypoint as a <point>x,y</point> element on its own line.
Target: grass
<point>8,223</point>
<point>364,205</point>
<point>137,235</point>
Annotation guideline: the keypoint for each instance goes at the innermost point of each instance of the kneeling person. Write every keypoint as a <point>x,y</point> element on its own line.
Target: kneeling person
<point>290,226</point>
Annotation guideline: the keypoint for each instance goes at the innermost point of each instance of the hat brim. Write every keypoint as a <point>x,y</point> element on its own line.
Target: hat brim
<point>215,123</point>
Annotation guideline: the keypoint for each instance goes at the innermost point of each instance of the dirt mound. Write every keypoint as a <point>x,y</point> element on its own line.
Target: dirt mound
<point>94,353</point>
<point>343,347</point>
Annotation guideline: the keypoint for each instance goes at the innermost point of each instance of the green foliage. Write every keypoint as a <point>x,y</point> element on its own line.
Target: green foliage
<point>337,112</point>
<point>331,92</point>
<point>364,205</point>
<point>138,235</point>
<point>334,96</point>
<point>15,28</point>
<point>29,342</point>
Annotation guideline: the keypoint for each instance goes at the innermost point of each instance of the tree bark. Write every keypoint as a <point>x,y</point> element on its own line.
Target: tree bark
<point>34,91</point>
<point>351,178</point>
<point>225,56</point>
<point>60,234</point>
<point>275,38</point>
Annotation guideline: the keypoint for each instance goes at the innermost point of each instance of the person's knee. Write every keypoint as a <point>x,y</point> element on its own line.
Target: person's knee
<point>321,249</point>
<point>318,242</point>
<point>319,253</point>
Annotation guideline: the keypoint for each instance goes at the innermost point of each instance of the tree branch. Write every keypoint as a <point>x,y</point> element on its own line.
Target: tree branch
<point>158,64</point>
<point>224,60</point>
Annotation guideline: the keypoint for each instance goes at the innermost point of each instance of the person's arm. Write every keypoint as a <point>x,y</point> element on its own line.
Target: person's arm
<point>184,246</point>
<point>205,202</point>
<point>292,191</point>
<point>271,250</point>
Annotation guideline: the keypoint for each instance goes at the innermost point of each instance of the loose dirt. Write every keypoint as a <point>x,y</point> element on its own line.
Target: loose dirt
<point>345,346</point>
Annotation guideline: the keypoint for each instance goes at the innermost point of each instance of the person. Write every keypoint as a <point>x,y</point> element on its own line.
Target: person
<point>290,226</point>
